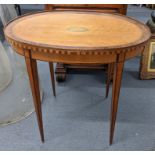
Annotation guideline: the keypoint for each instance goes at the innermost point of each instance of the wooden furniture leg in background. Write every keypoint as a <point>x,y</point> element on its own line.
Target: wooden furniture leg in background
<point>118,70</point>
<point>52,77</point>
<point>109,78</point>
<point>34,83</point>
<point>60,72</point>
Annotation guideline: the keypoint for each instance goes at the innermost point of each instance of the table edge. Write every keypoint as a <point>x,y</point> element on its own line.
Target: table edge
<point>75,48</point>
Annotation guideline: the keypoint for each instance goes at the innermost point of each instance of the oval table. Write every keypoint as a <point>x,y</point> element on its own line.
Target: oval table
<point>76,37</point>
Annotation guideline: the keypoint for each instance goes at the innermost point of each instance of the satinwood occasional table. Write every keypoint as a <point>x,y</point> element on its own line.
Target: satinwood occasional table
<point>76,37</point>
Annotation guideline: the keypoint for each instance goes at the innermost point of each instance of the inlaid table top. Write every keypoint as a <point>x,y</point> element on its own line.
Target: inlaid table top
<point>77,30</point>
<point>77,37</point>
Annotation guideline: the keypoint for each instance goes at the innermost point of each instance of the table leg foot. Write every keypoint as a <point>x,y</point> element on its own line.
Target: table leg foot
<point>52,77</point>
<point>115,97</point>
<point>34,83</point>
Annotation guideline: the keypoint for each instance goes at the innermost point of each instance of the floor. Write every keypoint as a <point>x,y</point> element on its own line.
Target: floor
<point>78,118</point>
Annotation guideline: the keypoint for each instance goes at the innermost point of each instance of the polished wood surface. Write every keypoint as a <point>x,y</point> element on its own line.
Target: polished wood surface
<point>115,94</point>
<point>34,83</point>
<point>53,49</point>
<point>73,30</point>
<point>61,68</point>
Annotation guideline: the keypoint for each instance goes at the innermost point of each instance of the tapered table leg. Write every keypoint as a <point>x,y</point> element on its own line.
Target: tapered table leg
<point>52,77</point>
<point>34,82</point>
<point>109,77</point>
<point>118,70</point>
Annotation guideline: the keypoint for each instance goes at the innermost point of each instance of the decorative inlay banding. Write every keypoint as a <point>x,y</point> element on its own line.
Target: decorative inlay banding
<point>77,29</point>
<point>77,52</point>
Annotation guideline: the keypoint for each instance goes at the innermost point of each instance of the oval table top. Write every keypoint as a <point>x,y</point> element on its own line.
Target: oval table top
<point>77,30</point>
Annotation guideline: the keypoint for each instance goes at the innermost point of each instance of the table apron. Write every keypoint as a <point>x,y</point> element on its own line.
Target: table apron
<point>74,58</point>
<point>89,58</point>
<point>133,53</point>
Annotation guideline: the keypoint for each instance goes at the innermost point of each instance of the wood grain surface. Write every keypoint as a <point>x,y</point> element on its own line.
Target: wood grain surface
<point>77,29</point>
